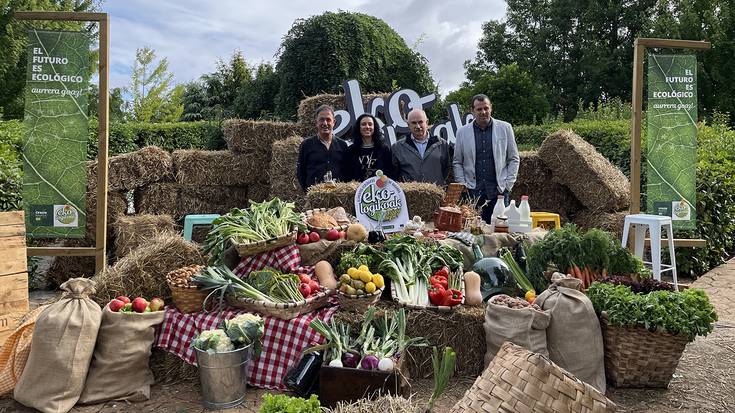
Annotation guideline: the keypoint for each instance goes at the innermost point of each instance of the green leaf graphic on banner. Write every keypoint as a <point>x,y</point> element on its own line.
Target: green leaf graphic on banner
<point>54,149</point>
<point>671,142</point>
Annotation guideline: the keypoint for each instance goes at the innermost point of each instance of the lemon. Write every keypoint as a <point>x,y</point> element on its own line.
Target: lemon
<point>365,276</point>
<point>351,271</point>
<point>363,268</point>
<point>369,287</point>
<point>378,280</point>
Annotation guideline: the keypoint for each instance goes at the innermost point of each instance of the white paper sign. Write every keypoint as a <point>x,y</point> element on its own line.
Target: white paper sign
<point>378,197</point>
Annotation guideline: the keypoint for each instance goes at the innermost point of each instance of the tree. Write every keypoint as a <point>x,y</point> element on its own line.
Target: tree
<point>319,53</point>
<point>13,42</point>
<point>517,98</point>
<point>154,98</point>
<point>117,104</point>
<point>578,50</point>
<point>257,101</point>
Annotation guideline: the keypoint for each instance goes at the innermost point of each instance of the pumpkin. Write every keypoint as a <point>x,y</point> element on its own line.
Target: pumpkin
<point>325,273</point>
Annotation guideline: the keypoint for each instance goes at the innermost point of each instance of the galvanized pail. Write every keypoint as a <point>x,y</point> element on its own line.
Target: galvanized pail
<point>223,377</point>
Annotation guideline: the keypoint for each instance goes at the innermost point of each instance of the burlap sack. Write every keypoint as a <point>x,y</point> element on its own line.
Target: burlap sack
<point>525,327</point>
<point>324,250</point>
<point>572,315</point>
<point>62,347</point>
<point>14,353</point>
<point>119,369</point>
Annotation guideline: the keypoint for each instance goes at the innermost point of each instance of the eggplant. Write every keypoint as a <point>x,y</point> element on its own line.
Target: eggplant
<point>350,359</point>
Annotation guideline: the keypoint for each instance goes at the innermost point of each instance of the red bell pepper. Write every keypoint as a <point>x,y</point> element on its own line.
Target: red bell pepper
<point>443,271</point>
<point>453,297</point>
<point>439,280</point>
<point>437,294</point>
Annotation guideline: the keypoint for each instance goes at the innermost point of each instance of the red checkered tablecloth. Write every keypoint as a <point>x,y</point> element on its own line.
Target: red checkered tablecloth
<point>283,340</point>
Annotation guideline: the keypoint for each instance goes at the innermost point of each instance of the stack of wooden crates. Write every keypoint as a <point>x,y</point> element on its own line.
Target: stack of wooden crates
<point>13,272</point>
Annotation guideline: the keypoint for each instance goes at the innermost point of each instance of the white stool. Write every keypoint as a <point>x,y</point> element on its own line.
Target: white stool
<point>654,224</point>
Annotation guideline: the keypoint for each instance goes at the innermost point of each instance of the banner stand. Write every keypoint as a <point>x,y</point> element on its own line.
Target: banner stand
<point>99,250</point>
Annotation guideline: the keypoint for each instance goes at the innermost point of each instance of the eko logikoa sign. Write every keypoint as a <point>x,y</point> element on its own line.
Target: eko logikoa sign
<point>380,200</point>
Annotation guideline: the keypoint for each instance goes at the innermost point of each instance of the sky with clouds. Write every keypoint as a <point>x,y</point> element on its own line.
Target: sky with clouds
<point>192,35</point>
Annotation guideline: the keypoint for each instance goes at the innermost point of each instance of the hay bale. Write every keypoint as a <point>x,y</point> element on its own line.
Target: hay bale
<point>460,329</point>
<point>131,231</point>
<point>180,200</point>
<point>196,167</point>
<point>598,184</point>
<point>536,181</point>
<point>134,169</point>
<point>282,172</point>
<point>63,268</point>
<point>142,272</point>
<point>387,403</point>
<point>307,106</point>
<point>607,221</point>
<point>117,205</point>
<point>422,198</point>
<point>251,136</point>
<point>259,191</point>
<point>168,368</point>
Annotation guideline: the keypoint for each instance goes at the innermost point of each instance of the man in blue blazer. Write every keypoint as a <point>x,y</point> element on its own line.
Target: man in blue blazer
<point>486,156</point>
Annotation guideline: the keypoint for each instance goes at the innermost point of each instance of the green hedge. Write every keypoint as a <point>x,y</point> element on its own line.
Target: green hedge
<point>11,135</point>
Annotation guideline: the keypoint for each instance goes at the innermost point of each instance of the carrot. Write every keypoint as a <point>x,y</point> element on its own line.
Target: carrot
<point>578,272</point>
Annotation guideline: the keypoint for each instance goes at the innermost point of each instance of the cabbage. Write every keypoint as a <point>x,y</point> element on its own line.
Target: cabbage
<point>213,341</point>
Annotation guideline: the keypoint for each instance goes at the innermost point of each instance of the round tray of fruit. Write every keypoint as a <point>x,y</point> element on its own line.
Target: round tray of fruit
<point>359,288</point>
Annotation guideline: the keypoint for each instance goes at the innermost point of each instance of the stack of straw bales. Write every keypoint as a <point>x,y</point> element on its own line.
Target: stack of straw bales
<point>282,173</point>
<point>64,268</point>
<point>132,231</point>
<point>307,108</point>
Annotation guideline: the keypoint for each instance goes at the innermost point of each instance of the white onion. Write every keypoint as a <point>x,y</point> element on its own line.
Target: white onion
<point>386,364</point>
<point>336,363</point>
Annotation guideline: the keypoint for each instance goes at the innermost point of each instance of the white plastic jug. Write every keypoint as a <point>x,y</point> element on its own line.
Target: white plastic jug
<point>498,210</point>
<point>512,212</point>
<point>525,209</point>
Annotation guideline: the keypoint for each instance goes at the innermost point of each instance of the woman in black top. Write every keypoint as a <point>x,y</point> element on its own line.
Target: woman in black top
<point>368,152</point>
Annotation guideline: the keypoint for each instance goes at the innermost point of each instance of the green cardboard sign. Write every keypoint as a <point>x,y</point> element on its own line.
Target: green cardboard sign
<point>671,142</point>
<point>55,145</point>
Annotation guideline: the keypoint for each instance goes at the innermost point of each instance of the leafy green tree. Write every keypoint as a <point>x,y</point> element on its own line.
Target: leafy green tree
<point>319,53</point>
<point>517,98</point>
<point>13,40</point>
<point>117,104</point>
<point>154,97</point>
<point>256,102</point>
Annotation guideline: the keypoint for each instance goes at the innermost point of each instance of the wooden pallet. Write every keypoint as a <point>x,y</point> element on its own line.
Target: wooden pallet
<point>13,272</point>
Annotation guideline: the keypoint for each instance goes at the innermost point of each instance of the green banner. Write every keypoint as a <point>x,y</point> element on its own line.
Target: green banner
<point>671,142</point>
<point>55,145</point>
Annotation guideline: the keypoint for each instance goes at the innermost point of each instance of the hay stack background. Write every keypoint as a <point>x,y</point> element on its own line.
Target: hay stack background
<point>282,173</point>
<point>535,180</point>
<point>117,204</point>
<point>142,272</point>
<point>64,268</point>
<point>422,198</point>
<point>157,198</point>
<point>134,169</point>
<point>196,167</point>
<point>259,191</point>
<point>180,200</point>
<point>307,106</point>
<point>607,221</point>
<point>576,164</point>
<point>250,136</point>
<point>132,231</point>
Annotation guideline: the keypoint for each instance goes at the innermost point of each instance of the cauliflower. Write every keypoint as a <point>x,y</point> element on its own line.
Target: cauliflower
<point>244,330</point>
<point>213,341</point>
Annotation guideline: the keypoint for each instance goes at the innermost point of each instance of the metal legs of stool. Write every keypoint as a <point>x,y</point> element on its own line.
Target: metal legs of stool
<point>654,227</point>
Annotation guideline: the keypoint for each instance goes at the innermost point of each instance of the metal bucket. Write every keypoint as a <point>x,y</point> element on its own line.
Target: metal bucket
<point>223,377</point>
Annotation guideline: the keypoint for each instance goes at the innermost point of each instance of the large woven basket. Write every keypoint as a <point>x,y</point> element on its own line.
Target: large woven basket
<point>284,311</point>
<point>187,299</point>
<point>358,303</point>
<point>517,380</point>
<point>252,248</point>
<point>439,308</point>
<point>322,231</point>
<point>636,357</point>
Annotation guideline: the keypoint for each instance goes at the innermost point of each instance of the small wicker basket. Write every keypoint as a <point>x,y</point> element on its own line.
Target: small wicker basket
<point>188,299</point>
<point>636,357</point>
<point>248,249</point>
<point>284,311</point>
<point>517,380</point>
<point>358,303</point>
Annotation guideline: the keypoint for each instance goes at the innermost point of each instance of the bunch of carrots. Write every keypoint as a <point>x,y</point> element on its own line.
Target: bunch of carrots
<point>587,275</point>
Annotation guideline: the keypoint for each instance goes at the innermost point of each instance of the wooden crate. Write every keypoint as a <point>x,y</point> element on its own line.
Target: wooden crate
<point>337,384</point>
<point>13,266</point>
<point>8,323</point>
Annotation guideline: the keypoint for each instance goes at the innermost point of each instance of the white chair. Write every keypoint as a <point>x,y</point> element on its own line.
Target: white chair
<point>654,223</point>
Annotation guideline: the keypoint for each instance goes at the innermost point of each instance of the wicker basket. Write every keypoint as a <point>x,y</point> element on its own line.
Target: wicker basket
<point>284,311</point>
<point>321,230</point>
<point>517,380</point>
<point>636,357</point>
<point>440,308</point>
<point>187,299</point>
<point>252,248</point>
<point>358,303</point>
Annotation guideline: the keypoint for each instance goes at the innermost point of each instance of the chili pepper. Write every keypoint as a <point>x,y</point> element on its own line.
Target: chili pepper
<point>437,294</point>
<point>439,280</point>
<point>453,297</point>
<point>443,271</point>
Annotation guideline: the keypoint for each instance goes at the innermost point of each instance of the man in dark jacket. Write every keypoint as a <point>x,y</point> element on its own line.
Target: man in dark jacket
<point>323,154</point>
<point>419,157</point>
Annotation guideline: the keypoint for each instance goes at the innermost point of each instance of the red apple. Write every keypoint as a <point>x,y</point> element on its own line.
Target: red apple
<point>139,304</point>
<point>304,278</point>
<point>116,305</point>
<point>332,234</point>
<point>156,304</point>
<point>305,290</point>
<point>314,236</point>
<point>124,299</point>
<point>314,286</point>
<point>302,238</point>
